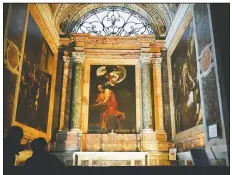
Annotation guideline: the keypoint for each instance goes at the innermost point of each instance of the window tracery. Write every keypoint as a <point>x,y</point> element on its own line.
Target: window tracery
<point>113,21</point>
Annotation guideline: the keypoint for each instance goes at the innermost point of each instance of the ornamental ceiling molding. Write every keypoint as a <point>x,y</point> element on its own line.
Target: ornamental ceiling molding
<point>158,15</point>
<point>162,10</point>
<point>146,40</point>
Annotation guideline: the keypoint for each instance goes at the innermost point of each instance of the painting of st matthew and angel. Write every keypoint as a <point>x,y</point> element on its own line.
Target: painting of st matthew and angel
<point>112,99</point>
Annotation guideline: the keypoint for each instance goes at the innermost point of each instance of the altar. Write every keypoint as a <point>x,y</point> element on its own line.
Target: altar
<point>116,118</point>
<point>110,158</point>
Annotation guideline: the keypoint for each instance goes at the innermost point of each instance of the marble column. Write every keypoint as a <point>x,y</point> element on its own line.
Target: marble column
<point>148,139</point>
<point>152,141</point>
<point>145,60</point>
<point>78,60</point>
<point>61,135</point>
<point>158,95</point>
<point>73,142</point>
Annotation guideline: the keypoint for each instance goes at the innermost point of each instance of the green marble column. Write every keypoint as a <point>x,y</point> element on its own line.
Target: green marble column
<point>145,60</point>
<point>78,60</point>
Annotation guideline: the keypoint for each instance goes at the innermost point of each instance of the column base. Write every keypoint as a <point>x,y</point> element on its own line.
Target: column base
<point>73,141</point>
<point>68,141</point>
<point>153,141</point>
<point>61,136</point>
<point>158,159</point>
<point>161,136</point>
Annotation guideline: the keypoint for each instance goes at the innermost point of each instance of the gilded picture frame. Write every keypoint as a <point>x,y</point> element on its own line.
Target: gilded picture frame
<point>86,87</point>
<point>195,133</point>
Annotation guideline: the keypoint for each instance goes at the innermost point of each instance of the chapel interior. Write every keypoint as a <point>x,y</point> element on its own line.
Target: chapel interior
<point>135,84</point>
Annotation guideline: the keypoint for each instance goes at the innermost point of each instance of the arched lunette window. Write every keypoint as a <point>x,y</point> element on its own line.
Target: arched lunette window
<point>113,21</point>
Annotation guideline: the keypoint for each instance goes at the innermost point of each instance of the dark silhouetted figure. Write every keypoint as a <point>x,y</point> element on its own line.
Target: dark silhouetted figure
<point>12,146</point>
<point>41,160</point>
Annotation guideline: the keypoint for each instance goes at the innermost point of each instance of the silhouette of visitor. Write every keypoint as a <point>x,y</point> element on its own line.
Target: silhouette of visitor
<point>41,160</point>
<point>12,146</point>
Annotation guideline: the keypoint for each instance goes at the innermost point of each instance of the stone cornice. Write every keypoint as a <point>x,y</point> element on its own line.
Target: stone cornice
<point>89,39</point>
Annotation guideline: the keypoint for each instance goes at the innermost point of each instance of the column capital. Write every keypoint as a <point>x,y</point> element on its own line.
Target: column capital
<point>66,59</point>
<point>78,57</point>
<point>145,57</point>
<point>157,61</point>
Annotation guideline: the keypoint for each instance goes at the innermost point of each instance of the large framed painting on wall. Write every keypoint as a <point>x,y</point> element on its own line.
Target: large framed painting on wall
<point>35,83</point>
<point>13,31</point>
<point>111,96</point>
<point>187,104</point>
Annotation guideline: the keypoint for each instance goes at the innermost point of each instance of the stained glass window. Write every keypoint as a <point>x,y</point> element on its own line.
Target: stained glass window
<point>113,21</point>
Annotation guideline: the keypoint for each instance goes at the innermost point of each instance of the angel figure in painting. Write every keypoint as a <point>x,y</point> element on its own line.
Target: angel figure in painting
<point>116,76</point>
<point>107,97</point>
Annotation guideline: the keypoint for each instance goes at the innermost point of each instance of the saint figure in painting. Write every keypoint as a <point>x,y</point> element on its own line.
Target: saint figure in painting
<point>107,97</point>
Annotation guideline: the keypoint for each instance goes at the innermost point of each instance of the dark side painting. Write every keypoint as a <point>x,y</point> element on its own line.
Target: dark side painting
<point>188,112</point>
<point>112,99</point>
<point>35,81</point>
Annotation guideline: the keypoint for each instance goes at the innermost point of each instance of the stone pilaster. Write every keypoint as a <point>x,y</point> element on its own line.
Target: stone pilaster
<point>61,136</point>
<point>158,99</point>
<point>66,60</point>
<point>74,135</point>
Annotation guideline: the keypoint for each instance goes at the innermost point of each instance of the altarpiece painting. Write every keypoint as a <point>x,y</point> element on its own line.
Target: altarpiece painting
<point>112,99</point>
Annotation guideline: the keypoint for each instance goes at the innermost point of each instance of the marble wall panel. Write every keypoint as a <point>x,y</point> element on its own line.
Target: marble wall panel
<point>202,26</point>
<point>212,112</point>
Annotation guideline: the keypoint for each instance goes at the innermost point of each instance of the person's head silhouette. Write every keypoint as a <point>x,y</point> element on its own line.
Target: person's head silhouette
<point>39,145</point>
<point>15,133</point>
